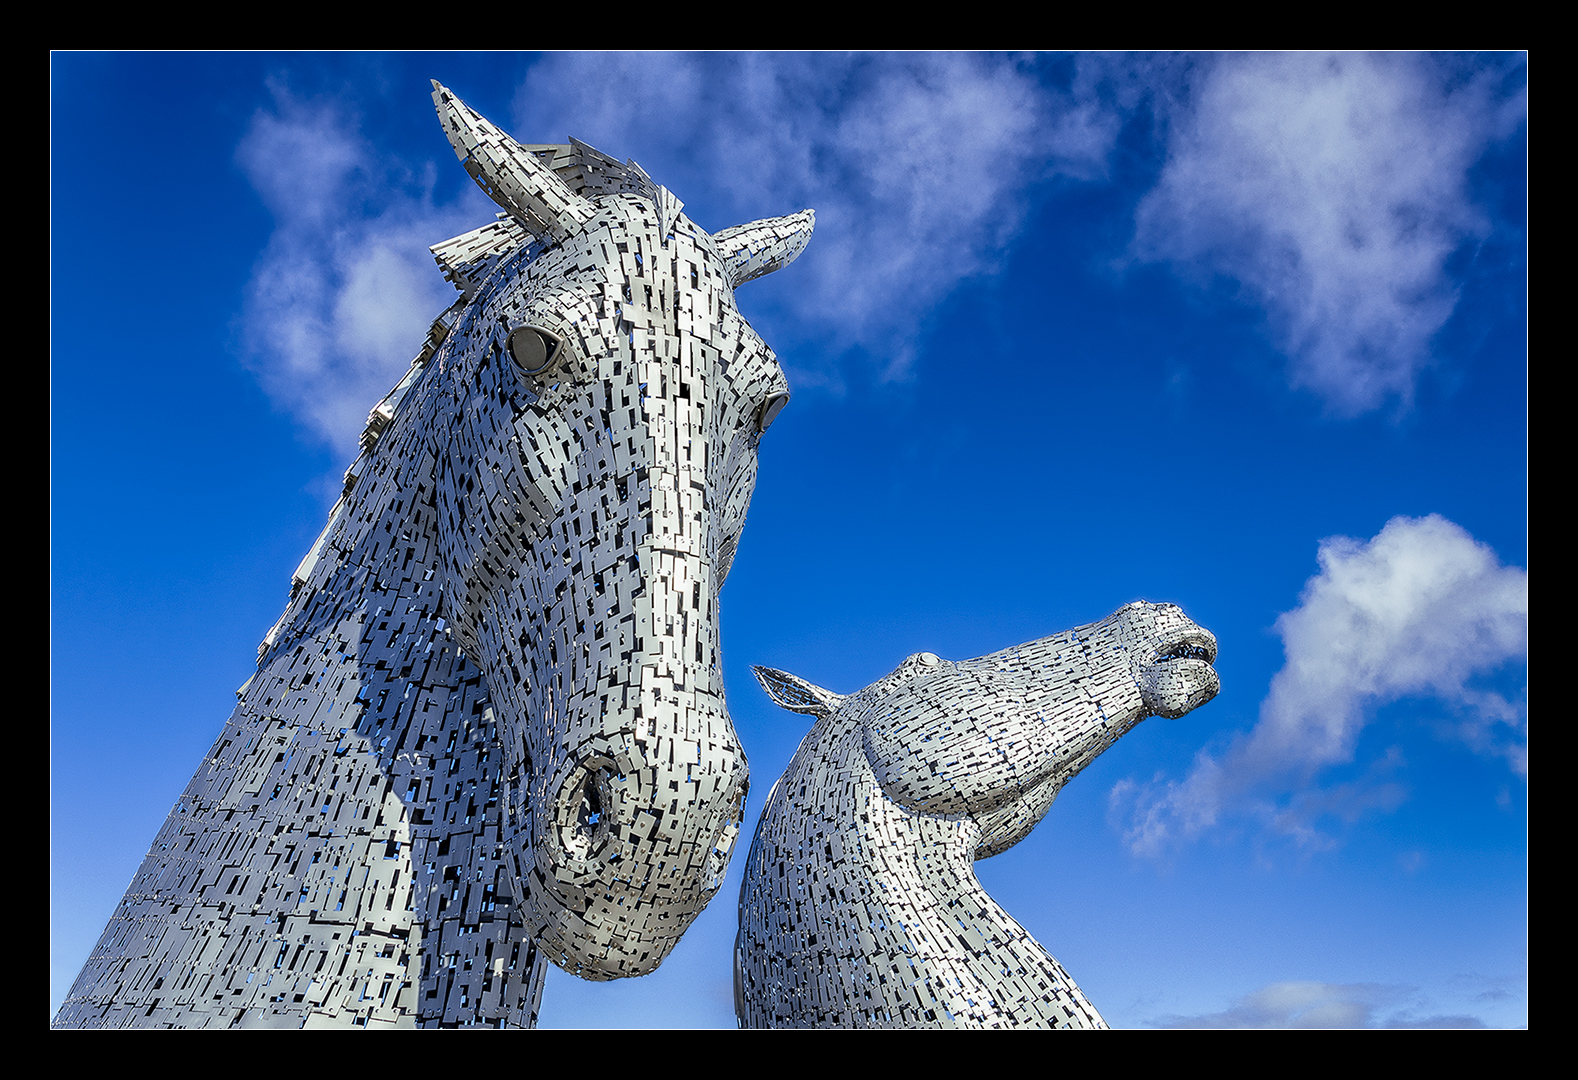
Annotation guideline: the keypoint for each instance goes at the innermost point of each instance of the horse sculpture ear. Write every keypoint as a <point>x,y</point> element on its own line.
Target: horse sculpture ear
<point>760,247</point>
<point>507,172</point>
<point>795,694</point>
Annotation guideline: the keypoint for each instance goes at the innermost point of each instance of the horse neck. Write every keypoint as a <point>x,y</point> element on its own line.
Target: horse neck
<point>366,671</point>
<point>889,889</point>
<point>380,534</point>
<point>983,967</point>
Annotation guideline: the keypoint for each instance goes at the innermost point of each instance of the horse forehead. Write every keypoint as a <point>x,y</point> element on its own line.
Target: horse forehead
<point>963,684</point>
<point>626,217</point>
<point>1156,620</point>
<point>621,247</point>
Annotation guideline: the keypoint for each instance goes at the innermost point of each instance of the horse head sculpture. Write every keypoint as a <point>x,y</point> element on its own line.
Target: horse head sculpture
<point>601,398</point>
<point>490,726</point>
<point>860,906</point>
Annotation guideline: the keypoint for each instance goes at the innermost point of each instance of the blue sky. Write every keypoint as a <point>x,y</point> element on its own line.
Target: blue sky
<point>1246,333</point>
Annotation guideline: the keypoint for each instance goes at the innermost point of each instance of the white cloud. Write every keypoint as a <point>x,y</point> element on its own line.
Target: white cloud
<point>918,166</point>
<point>343,294</point>
<point>1418,611</point>
<point>1325,1005</point>
<point>1332,189</point>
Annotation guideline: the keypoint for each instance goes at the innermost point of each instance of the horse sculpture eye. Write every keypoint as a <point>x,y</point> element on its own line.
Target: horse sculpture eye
<point>534,350</point>
<point>770,409</point>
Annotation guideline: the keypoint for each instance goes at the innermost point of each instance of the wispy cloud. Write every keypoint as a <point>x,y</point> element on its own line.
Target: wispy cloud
<point>1417,611</point>
<point>1332,190</point>
<point>341,297</point>
<point>918,166</point>
<point>1326,1005</point>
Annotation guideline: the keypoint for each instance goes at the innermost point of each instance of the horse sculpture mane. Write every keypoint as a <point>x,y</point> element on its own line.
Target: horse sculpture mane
<point>860,906</point>
<point>489,729</point>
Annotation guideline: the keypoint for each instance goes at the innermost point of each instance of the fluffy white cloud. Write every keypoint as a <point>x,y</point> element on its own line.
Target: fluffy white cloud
<point>918,166</point>
<point>1418,611</point>
<point>1332,189</point>
<point>342,296</point>
<point>1326,1005</point>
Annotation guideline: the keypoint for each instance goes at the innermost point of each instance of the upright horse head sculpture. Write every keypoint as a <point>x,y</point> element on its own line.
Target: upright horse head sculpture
<point>860,906</point>
<point>597,410</point>
<point>490,726</point>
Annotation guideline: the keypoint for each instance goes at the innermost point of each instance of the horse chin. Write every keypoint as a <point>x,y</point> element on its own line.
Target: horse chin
<point>1172,688</point>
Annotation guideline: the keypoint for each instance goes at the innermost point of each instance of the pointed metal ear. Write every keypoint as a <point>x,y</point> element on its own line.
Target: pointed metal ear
<point>795,694</point>
<point>467,258</point>
<point>760,247</point>
<point>508,173</point>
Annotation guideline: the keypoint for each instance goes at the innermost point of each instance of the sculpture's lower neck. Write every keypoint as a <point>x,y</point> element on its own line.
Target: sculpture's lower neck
<point>899,921</point>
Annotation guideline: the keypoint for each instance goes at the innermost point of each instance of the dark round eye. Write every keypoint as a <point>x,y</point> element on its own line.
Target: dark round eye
<point>769,410</point>
<point>534,350</point>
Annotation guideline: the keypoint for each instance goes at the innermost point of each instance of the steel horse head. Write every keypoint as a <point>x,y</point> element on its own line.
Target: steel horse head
<point>860,906</point>
<point>489,727</point>
<point>595,416</point>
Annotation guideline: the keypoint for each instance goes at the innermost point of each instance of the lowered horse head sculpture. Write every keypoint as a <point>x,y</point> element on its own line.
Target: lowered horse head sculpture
<point>596,414</point>
<point>490,726</point>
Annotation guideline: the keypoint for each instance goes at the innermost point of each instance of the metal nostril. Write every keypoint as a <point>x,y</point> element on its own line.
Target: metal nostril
<point>585,814</point>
